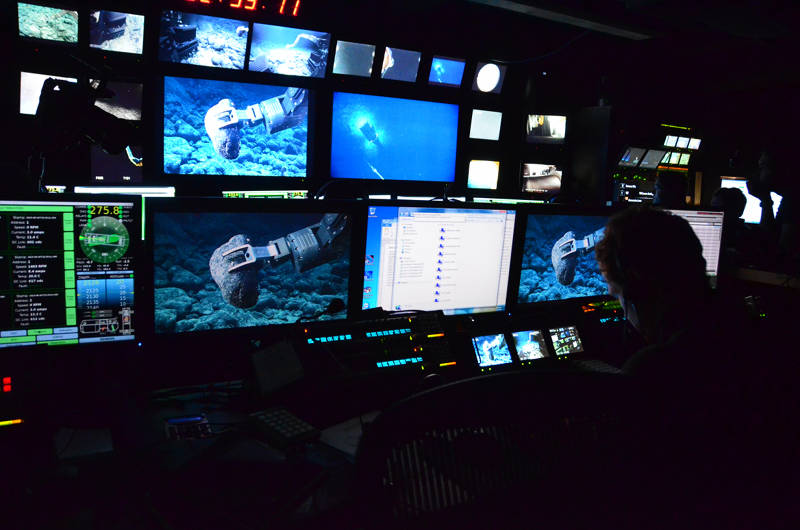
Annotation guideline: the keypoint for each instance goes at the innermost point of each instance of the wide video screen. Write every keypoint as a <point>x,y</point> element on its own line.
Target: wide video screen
<point>48,23</point>
<point>383,138</point>
<point>205,135</point>
<point>543,129</point>
<point>201,40</point>
<point>558,258</point>
<point>116,32</point>
<point>491,350</point>
<point>289,51</point>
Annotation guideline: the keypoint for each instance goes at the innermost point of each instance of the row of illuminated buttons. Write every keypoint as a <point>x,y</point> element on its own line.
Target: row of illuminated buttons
<point>334,338</point>
<point>388,332</point>
<point>399,362</point>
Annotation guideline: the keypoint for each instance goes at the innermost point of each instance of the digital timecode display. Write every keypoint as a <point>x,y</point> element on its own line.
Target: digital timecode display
<point>280,7</point>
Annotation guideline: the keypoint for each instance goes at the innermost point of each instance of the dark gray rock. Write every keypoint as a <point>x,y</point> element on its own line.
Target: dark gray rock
<point>238,288</point>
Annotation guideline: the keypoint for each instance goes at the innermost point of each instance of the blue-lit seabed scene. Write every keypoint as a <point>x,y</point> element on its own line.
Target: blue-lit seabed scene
<point>188,148</point>
<point>187,297</point>
<point>202,40</point>
<point>382,138</point>
<point>538,280</point>
<point>289,51</point>
<point>491,350</point>
<point>49,23</point>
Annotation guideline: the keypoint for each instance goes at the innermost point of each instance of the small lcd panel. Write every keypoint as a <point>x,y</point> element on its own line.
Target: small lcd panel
<point>30,88</point>
<point>541,178</point>
<point>400,65</point>
<point>670,141</point>
<point>483,174</point>
<point>530,345</point>
<point>353,58</point>
<point>652,158</point>
<point>694,143</point>
<point>116,32</point>
<point>485,125</point>
<point>558,258</point>
<point>684,161</point>
<point>674,158</point>
<point>682,142</point>
<point>566,340</point>
<point>289,51</point>
<point>543,129</point>
<point>489,78</point>
<point>47,23</point>
<point>491,350</point>
<point>198,139</point>
<point>383,138</point>
<point>632,157</point>
<point>202,40</point>
<point>446,71</point>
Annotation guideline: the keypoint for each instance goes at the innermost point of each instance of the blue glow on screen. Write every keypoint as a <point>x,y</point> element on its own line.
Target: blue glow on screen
<point>446,71</point>
<point>382,138</point>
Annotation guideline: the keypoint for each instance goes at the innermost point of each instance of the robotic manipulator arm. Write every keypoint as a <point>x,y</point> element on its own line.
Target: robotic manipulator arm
<point>566,250</point>
<point>234,265</point>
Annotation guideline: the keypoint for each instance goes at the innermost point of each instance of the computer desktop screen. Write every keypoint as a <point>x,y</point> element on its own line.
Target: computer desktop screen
<point>426,258</point>
<point>707,227</point>
<point>558,258</point>
<point>221,264</point>
<point>752,208</point>
<point>67,271</point>
<point>385,138</point>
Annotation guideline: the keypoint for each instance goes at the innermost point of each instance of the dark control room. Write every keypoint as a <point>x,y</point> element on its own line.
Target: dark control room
<point>296,264</point>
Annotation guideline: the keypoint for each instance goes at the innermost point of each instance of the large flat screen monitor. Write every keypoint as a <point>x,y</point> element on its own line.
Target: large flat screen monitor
<point>426,258</point>
<point>558,258</point>
<point>231,128</point>
<point>384,138</point>
<point>225,264</point>
<point>67,271</point>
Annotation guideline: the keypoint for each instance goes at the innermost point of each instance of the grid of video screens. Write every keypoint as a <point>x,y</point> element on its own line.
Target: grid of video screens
<point>116,32</point>
<point>682,142</point>
<point>289,51</point>
<point>566,340</point>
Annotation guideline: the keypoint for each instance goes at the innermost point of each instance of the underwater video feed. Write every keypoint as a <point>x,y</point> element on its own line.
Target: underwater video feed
<point>202,134</point>
<point>557,262</point>
<point>116,32</point>
<point>48,23</point>
<point>546,129</point>
<point>202,40</point>
<point>120,168</point>
<point>482,174</point>
<point>491,350</point>
<point>530,345</point>
<point>400,65</point>
<point>30,88</point>
<point>383,138</point>
<point>353,58</point>
<point>541,178</point>
<point>126,101</point>
<point>485,125</point>
<point>566,340</point>
<point>289,51</point>
<point>204,279</point>
<point>446,71</point>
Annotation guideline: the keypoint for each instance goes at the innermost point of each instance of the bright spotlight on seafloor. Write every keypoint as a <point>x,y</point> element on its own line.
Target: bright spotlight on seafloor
<point>488,77</point>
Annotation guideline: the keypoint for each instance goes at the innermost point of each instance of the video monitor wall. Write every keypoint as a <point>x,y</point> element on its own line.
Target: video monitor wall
<point>400,65</point>
<point>542,129</point>
<point>219,267</point>
<point>383,138</point>
<point>289,51</point>
<point>47,23</point>
<point>202,40</point>
<point>230,128</point>
<point>453,259</point>
<point>558,258</point>
<point>116,32</point>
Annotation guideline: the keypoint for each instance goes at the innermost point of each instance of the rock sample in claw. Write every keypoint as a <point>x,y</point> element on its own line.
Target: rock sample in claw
<point>564,267</point>
<point>240,287</point>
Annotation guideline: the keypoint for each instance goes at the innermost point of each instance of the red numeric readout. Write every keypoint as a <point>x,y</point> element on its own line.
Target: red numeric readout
<point>252,5</point>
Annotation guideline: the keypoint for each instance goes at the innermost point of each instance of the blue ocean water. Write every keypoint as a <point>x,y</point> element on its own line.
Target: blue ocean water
<point>188,149</point>
<point>221,41</point>
<point>48,23</point>
<point>538,282</point>
<point>412,140</point>
<point>186,297</point>
<point>276,43</point>
<point>446,71</point>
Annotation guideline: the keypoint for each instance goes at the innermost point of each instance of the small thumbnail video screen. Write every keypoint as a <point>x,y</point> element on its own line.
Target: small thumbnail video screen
<point>684,161</point>
<point>558,258</point>
<point>546,129</point>
<point>400,65</point>
<point>566,340</point>
<point>353,58</point>
<point>125,102</point>
<point>491,350</point>
<point>289,51</point>
<point>483,174</point>
<point>485,125</point>
<point>202,40</point>
<point>682,142</point>
<point>204,135</point>
<point>120,168</point>
<point>446,71</point>
<point>530,345</point>
<point>674,158</point>
<point>541,178</point>
<point>489,78</point>
<point>206,278</point>
<point>30,88</point>
<point>383,138</point>
<point>116,32</point>
<point>694,143</point>
<point>652,158</point>
<point>632,157</point>
<point>670,141</point>
<point>48,23</point>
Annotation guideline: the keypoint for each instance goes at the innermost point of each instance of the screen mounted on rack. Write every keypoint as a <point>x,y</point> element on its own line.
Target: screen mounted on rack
<point>202,40</point>
<point>530,345</point>
<point>116,32</point>
<point>47,23</point>
<point>383,138</point>
<point>289,51</point>
<point>543,129</point>
<point>400,65</point>
<point>67,271</point>
<point>491,350</point>
<point>456,260</point>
